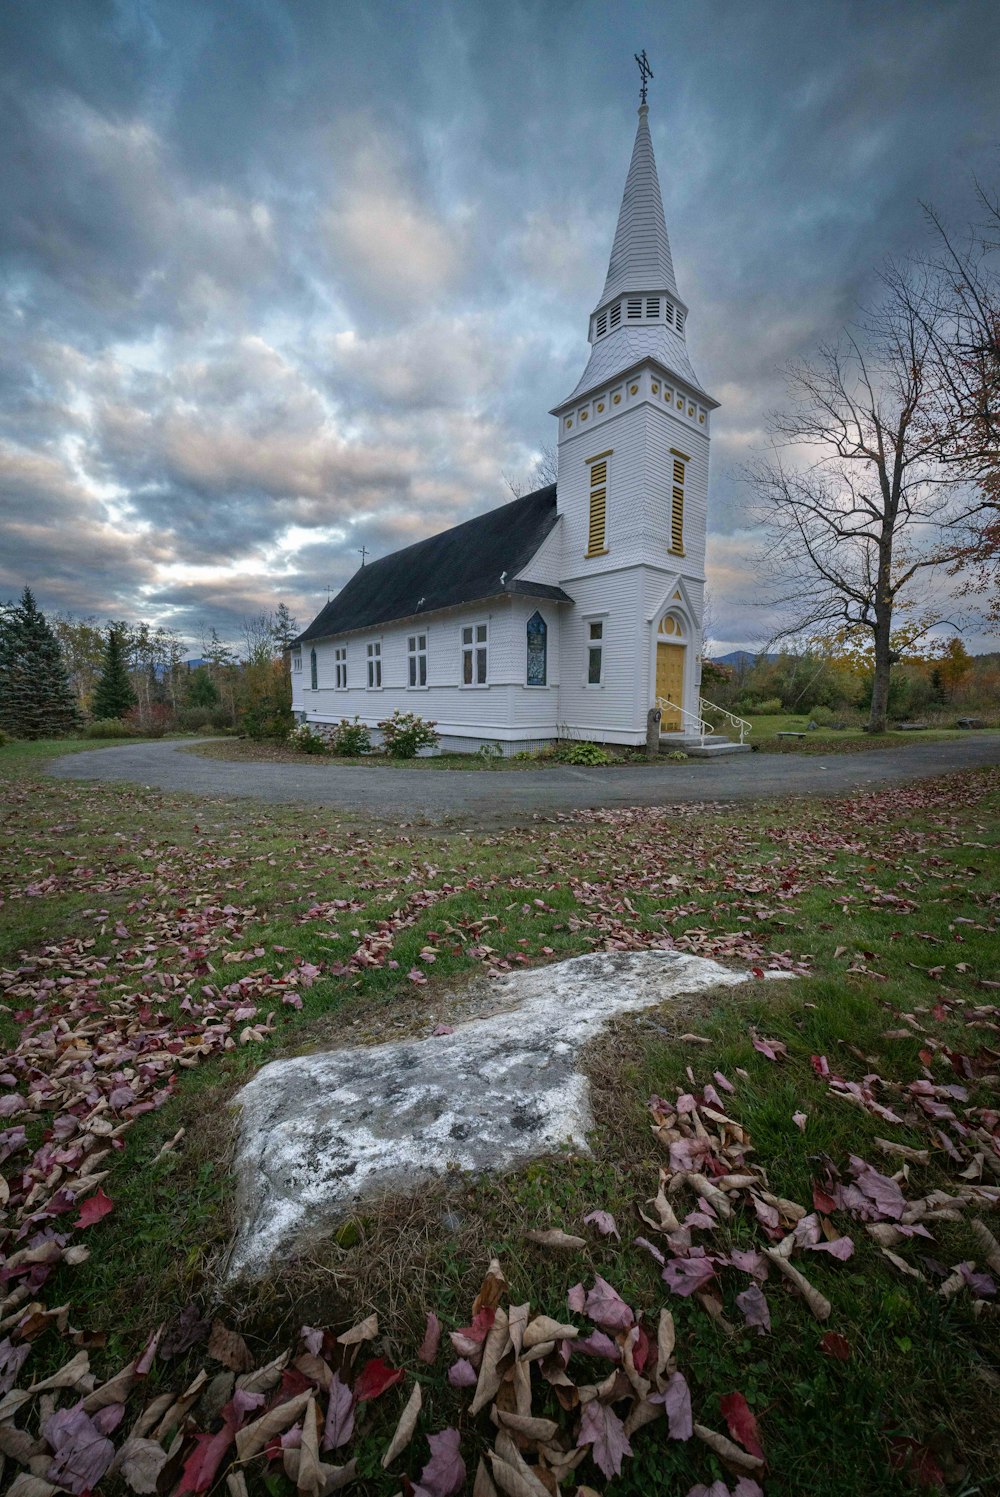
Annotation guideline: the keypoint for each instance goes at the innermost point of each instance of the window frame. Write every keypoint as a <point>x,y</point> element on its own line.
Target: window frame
<point>296,662</point>
<point>678,488</point>
<point>373,663</point>
<point>416,662</point>
<point>340,667</point>
<point>594,644</point>
<point>598,487</point>
<point>313,670</point>
<point>474,647</point>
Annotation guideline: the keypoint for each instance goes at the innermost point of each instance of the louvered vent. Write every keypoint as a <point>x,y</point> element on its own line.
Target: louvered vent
<point>598,509</point>
<point>680,320</point>
<point>652,306</point>
<point>615,315</point>
<point>602,324</point>
<point>635,306</point>
<point>669,311</point>
<point>677,510</point>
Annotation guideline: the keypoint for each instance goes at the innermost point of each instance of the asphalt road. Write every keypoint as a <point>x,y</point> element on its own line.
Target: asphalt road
<point>506,796</point>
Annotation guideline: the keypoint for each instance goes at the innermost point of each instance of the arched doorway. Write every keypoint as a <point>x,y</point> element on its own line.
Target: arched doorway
<point>671,650</point>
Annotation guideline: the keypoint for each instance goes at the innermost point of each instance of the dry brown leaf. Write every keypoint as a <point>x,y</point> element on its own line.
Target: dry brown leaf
<point>115,1390</point>
<point>727,1451</point>
<point>907,1268</point>
<point>315,1369</point>
<point>236,1484</point>
<point>75,1374</point>
<point>25,1484</point>
<point>988,1245</point>
<point>365,1330</point>
<point>404,1429</point>
<point>494,1347</point>
<point>181,1406</point>
<point>818,1304</point>
<point>555,1237</point>
<point>484,1485</point>
<point>666,1337</point>
<point>640,1414</point>
<point>253,1437</point>
<point>310,1479</point>
<point>229,1348</point>
<point>265,1378</point>
<point>719,1202</point>
<point>885,1234</point>
<point>490,1290</point>
<point>517,1322</point>
<point>515,1480</point>
<point>538,1353</point>
<point>903,1151</point>
<point>151,1415</point>
<point>790,1210</point>
<point>543,1328</point>
<point>140,1463</point>
<point>521,1384</point>
<point>531,1429</point>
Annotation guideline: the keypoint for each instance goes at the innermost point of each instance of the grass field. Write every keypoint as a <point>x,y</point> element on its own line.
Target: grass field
<point>130,909</point>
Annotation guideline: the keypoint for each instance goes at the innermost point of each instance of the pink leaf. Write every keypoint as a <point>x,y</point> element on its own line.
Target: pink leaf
<point>754,1308</point>
<point>441,1029</point>
<point>800,1119</point>
<point>603,1431</point>
<point>772,1049</point>
<point>596,1345</point>
<point>428,1349</point>
<point>81,1454</point>
<point>462,1374</point>
<point>444,1474</point>
<point>606,1307</point>
<point>676,1401</point>
<point>685,1275</point>
<point>604,1222</point>
<point>727,1086</point>
<point>94,1209</point>
<point>741,1422</point>
<point>339,1416</point>
<point>577,1299</point>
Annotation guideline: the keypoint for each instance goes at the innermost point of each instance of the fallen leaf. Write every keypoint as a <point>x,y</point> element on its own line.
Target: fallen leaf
<point>428,1349</point>
<point>374,1378</point>
<point>741,1423</point>
<point>229,1348</point>
<point>94,1209</point>
<point>754,1307</point>
<point>365,1330</point>
<point>604,1222</point>
<point>444,1474</point>
<point>555,1237</point>
<point>603,1431</point>
<point>405,1428</point>
<point>833,1344</point>
<point>339,1415</point>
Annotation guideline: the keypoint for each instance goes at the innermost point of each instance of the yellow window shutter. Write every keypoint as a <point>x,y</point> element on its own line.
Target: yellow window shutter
<point>597,532</point>
<point>677,510</point>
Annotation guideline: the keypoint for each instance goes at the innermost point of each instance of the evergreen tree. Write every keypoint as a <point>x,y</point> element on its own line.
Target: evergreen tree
<point>113,695</point>
<point>36,699</point>
<point>202,690</point>
<point>283,626</point>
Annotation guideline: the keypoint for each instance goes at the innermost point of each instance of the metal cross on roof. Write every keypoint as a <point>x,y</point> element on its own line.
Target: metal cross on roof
<point>645,73</point>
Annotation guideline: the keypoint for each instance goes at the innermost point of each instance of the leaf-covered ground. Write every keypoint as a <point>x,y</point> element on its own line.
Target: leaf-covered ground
<point>830,1297</point>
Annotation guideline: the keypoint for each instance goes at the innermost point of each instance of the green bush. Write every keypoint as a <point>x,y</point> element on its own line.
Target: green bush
<point>404,733</point>
<point>305,738</point>
<point>352,739</point>
<point>491,754</point>
<point>110,727</point>
<point>267,718</point>
<point>770,708</point>
<point>822,716</point>
<point>587,753</point>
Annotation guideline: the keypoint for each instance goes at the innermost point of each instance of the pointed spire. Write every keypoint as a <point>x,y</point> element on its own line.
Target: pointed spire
<point>640,255</point>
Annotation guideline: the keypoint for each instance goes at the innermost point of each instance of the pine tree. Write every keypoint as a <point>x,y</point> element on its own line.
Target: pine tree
<point>36,699</point>
<point>113,695</point>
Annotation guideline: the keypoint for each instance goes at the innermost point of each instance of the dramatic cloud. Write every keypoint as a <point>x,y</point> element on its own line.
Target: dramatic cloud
<point>282,280</point>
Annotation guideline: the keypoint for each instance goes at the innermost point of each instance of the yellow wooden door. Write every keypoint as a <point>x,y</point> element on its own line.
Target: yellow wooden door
<point>670,683</point>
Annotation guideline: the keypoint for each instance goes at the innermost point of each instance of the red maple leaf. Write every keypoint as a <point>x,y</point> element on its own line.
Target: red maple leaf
<point>94,1208</point>
<point>374,1377</point>
<point>742,1424</point>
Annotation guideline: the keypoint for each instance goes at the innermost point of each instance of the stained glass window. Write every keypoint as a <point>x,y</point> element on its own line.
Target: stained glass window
<point>538,649</point>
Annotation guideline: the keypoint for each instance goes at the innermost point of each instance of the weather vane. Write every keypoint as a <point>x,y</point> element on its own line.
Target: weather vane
<point>645,72</point>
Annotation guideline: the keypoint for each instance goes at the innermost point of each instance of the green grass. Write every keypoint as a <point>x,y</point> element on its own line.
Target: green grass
<point>811,880</point>
<point>833,740</point>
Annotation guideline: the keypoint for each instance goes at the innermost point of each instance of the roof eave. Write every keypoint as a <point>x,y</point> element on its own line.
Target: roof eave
<point>633,368</point>
<point>516,588</point>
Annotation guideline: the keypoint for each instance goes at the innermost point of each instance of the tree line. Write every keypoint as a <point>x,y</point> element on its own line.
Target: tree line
<point>65,674</point>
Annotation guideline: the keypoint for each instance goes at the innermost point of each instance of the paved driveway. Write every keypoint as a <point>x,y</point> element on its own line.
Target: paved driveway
<point>506,796</point>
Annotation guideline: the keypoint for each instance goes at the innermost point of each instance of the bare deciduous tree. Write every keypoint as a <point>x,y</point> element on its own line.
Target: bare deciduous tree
<point>857,504</point>
<point>545,471</point>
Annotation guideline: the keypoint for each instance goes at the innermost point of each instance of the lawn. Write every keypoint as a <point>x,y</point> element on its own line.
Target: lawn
<point>823,740</point>
<point>157,949</point>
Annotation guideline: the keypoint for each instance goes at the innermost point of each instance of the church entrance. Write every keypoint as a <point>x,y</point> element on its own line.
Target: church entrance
<point>670,652</point>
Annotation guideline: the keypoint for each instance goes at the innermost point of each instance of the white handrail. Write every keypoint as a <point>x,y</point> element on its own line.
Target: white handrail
<point>738,722</point>
<point>701,727</point>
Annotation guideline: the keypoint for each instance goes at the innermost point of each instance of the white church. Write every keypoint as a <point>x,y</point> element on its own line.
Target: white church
<point>572,611</point>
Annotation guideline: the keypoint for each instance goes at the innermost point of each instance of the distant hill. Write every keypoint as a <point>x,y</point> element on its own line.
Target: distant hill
<point>739,657</point>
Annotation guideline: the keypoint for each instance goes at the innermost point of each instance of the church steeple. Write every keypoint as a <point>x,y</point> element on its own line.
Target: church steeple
<point>640,255</point>
<point>640,314</point>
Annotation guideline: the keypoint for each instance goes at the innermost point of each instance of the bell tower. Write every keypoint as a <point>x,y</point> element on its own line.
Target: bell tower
<point>632,492</point>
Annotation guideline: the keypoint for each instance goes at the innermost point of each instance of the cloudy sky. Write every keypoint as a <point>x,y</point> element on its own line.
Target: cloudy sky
<point>284,278</point>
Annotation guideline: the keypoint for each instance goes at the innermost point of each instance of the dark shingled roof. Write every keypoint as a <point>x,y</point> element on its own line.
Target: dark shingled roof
<point>461,565</point>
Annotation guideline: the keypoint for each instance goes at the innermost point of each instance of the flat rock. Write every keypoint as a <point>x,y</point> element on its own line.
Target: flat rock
<point>320,1133</point>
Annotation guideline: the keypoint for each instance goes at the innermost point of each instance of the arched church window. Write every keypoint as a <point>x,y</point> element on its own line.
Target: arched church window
<point>538,650</point>
<point>313,671</point>
<point>672,628</point>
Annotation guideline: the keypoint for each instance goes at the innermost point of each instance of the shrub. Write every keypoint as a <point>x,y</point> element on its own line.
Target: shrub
<point>110,727</point>
<point>305,738</point>
<point>587,753</point>
<point>771,707</point>
<point>822,716</point>
<point>352,739</point>
<point>267,718</point>
<point>3,738</point>
<point>152,721</point>
<point>491,754</point>
<point>201,719</point>
<point>404,733</point>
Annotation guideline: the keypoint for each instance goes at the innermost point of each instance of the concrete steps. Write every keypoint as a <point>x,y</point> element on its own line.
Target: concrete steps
<point>715,746</point>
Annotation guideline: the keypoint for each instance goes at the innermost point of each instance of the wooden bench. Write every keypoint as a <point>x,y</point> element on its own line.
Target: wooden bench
<point>912,727</point>
<point>789,734</point>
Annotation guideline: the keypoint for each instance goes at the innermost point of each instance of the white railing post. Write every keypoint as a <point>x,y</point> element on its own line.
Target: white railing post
<point>738,722</point>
